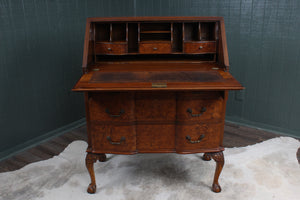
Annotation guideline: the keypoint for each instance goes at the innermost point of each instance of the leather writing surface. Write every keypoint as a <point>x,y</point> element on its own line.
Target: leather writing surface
<point>155,76</point>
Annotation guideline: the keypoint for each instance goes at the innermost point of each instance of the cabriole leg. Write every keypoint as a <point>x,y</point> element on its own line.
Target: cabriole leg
<point>90,159</point>
<point>219,158</point>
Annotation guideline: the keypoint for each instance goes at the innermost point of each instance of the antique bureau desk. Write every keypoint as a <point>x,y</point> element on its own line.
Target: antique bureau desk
<point>155,85</point>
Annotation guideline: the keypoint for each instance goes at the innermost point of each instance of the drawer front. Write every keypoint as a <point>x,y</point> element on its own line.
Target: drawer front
<point>155,107</point>
<point>110,48</point>
<point>198,137</point>
<point>155,138</point>
<point>200,47</point>
<point>199,108</point>
<point>155,48</point>
<point>111,107</point>
<point>113,139</point>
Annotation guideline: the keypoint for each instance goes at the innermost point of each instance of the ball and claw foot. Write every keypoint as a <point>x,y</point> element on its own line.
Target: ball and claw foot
<point>216,188</point>
<point>91,189</point>
<point>102,158</point>
<point>206,157</point>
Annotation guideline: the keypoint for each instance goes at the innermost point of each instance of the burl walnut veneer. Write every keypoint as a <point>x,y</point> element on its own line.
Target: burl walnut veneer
<point>155,85</point>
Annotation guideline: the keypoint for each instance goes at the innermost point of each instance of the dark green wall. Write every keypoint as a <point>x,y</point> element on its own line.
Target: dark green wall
<point>41,45</point>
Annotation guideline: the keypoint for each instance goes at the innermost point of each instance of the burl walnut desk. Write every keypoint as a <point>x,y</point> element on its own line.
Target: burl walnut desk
<point>155,85</point>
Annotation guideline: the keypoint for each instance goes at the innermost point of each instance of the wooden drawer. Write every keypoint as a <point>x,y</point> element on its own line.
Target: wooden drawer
<point>198,137</point>
<point>155,107</point>
<point>200,47</point>
<point>155,138</point>
<point>113,139</point>
<point>111,48</point>
<point>155,48</point>
<point>111,107</point>
<point>202,107</point>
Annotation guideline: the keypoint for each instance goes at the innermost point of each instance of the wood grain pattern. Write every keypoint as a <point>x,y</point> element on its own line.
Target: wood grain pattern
<point>155,138</point>
<point>155,107</point>
<point>212,104</point>
<point>159,119</point>
<point>111,107</point>
<point>101,143</point>
<point>211,137</point>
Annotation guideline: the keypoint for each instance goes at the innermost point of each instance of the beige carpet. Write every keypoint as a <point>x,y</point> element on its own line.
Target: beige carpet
<point>268,170</point>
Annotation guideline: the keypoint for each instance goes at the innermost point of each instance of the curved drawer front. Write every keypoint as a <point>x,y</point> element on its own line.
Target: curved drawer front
<point>198,137</point>
<point>113,139</point>
<point>196,108</point>
<point>111,107</point>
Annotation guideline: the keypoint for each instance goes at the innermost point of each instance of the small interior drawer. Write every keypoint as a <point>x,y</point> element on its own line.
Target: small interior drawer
<point>113,139</point>
<point>155,48</point>
<point>200,47</point>
<point>198,137</point>
<point>200,108</point>
<point>110,48</point>
<point>111,107</point>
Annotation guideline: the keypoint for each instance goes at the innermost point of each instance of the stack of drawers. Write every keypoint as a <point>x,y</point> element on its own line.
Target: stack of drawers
<point>132,122</point>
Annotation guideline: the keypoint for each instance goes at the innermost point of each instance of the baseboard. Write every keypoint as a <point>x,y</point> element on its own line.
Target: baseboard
<point>35,141</point>
<point>265,127</point>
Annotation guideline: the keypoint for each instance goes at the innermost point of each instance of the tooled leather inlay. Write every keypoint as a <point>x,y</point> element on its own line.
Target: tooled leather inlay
<point>156,76</point>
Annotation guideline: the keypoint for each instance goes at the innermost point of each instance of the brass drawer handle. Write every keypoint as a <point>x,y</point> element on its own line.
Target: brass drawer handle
<point>189,110</point>
<point>155,48</point>
<point>115,143</point>
<point>109,49</point>
<point>119,115</point>
<point>194,141</point>
<point>201,47</point>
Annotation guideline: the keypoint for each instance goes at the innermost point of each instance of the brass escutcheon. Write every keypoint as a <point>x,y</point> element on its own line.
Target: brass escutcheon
<point>159,85</point>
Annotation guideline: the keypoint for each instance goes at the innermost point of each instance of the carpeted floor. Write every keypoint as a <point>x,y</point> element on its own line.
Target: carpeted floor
<point>267,170</point>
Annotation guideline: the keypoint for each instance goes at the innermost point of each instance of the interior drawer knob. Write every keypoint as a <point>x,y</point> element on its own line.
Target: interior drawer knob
<point>154,48</point>
<point>109,49</point>
<point>201,47</point>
